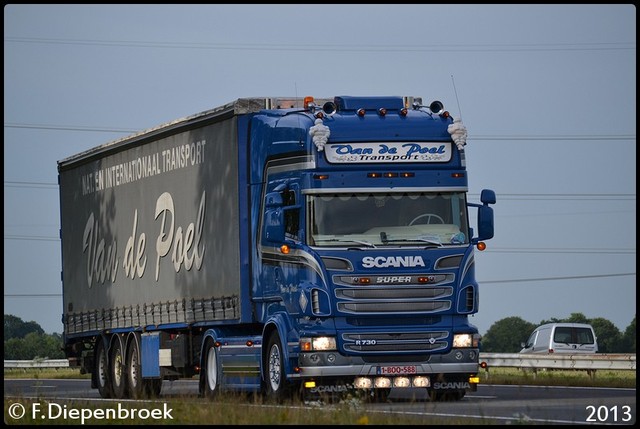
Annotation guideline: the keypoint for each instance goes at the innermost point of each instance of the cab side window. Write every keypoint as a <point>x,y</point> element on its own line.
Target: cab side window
<point>291,214</point>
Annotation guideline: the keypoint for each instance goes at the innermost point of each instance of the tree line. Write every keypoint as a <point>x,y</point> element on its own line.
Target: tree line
<point>508,334</point>
<point>28,341</point>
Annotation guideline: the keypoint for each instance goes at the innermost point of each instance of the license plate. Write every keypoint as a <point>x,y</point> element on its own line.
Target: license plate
<point>396,370</point>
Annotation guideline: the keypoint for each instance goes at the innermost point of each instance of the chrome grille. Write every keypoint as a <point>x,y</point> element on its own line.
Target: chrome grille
<point>394,293</point>
<point>408,342</point>
<point>395,307</point>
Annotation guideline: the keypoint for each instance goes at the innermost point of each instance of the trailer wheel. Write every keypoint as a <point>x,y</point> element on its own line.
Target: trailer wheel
<point>276,385</point>
<point>101,370</point>
<point>134,370</point>
<point>118,370</point>
<point>210,375</point>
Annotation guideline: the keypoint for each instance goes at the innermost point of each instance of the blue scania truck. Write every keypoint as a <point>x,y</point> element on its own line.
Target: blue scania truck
<point>276,245</point>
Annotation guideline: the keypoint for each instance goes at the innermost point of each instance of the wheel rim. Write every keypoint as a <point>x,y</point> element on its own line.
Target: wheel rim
<point>133,368</point>
<point>117,367</point>
<point>212,369</point>
<point>275,367</point>
<point>102,367</point>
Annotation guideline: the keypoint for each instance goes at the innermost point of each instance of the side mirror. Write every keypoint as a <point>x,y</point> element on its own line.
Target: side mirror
<point>485,222</point>
<point>485,215</point>
<point>487,196</point>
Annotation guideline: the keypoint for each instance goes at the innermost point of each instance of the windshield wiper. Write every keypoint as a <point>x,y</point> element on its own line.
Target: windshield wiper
<point>386,240</point>
<point>340,240</point>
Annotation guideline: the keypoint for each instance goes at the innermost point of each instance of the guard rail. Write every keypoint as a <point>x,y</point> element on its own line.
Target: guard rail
<point>589,362</point>
<point>534,362</point>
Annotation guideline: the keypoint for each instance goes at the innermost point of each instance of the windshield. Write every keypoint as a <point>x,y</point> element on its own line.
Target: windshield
<point>389,219</point>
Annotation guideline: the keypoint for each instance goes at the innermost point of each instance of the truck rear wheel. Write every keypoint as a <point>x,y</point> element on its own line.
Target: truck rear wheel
<point>101,370</point>
<point>118,369</point>
<point>134,370</point>
<point>210,375</point>
<point>276,386</point>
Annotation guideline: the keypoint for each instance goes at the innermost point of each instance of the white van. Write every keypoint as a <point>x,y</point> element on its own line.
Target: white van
<point>562,338</point>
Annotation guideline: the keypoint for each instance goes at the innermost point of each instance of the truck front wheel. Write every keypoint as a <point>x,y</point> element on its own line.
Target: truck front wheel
<point>276,385</point>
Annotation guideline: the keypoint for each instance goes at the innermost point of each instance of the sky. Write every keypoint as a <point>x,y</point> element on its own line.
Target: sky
<point>547,94</point>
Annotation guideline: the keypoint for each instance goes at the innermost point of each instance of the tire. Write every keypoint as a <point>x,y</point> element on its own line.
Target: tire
<point>211,374</point>
<point>134,370</point>
<point>118,369</point>
<point>101,370</point>
<point>276,386</point>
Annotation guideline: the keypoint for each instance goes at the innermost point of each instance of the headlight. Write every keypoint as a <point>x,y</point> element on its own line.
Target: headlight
<point>318,344</point>
<point>466,340</point>
<point>462,340</point>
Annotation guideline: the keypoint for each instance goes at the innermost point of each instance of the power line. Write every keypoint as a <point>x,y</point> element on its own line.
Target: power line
<point>32,295</point>
<point>522,47</point>
<point>554,138</point>
<point>540,279</point>
<point>567,250</point>
<point>470,137</point>
<point>70,128</point>
<point>13,184</point>
<point>30,238</point>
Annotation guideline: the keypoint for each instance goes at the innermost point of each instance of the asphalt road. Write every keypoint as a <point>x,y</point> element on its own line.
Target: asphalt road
<point>500,403</point>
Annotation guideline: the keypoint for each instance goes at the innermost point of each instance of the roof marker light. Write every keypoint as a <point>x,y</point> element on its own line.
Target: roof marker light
<point>308,101</point>
<point>382,111</point>
<point>360,112</point>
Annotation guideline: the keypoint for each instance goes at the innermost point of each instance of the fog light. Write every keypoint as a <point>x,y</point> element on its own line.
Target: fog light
<point>314,358</point>
<point>458,355</point>
<point>331,358</point>
<point>382,382</point>
<point>421,381</point>
<point>362,383</point>
<point>401,382</point>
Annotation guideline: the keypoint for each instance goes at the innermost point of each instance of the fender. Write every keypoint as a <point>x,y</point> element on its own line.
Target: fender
<point>212,333</point>
<point>277,322</point>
